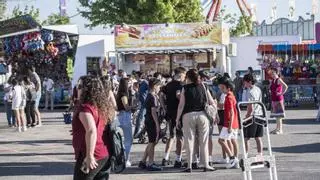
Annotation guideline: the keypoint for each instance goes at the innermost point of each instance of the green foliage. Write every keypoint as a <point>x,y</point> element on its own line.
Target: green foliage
<point>56,19</point>
<point>238,25</point>
<point>32,11</point>
<point>3,7</point>
<point>69,67</point>
<point>111,12</point>
<point>243,26</point>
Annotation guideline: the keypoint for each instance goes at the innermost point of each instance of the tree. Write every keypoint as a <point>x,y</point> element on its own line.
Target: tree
<point>56,19</point>
<point>3,7</point>
<point>111,12</point>
<point>32,11</point>
<point>238,25</point>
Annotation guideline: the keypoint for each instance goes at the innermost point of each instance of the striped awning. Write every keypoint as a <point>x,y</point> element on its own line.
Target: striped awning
<point>176,51</point>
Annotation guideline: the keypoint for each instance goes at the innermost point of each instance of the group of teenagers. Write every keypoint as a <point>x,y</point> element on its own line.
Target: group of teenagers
<point>183,98</point>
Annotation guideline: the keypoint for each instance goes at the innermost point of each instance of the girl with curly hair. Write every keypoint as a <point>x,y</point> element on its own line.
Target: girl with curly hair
<point>88,124</point>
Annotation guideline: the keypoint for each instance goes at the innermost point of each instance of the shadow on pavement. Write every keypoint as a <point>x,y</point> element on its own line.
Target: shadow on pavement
<point>35,142</point>
<point>308,121</point>
<point>305,133</point>
<point>166,170</point>
<point>36,168</point>
<point>54,118</point>
<point>36,154</point>
<point>304,148</point>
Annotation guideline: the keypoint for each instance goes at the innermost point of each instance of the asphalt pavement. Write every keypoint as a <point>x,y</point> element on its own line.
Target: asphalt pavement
<point>46,153</point>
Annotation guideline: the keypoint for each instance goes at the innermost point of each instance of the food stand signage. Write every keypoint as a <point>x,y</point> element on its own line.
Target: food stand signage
<point>17,24</point>
<point>157,36</point>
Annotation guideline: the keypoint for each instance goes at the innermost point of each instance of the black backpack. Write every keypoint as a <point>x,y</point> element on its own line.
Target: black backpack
<point>113,139</point>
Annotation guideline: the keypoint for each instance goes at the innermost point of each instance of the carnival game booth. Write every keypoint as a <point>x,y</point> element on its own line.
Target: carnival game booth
<point>50,49</point>
<point>163,47</point>
<point>300,67</point>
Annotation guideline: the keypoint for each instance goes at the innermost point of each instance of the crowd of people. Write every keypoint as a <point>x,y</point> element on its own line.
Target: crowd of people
<point>22,98</point>
<point>182,100</point>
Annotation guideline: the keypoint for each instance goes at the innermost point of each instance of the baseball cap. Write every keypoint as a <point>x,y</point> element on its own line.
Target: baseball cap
<point>204,74</point>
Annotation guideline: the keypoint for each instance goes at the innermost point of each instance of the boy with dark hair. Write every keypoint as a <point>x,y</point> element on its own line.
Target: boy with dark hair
<point>152,125</point>
<point>254,130</point>
<point>231,124</point>
<point>172,94</point>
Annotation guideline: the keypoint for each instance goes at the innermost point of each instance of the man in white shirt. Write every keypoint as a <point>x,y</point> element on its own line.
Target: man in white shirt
<point>48,84</point>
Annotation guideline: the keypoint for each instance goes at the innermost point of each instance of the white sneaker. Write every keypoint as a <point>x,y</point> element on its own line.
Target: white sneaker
<point>237,166</point>
<point>223,161</point>
<point>232,163</point>
<point>128,164</point>
<point>24,128</point>
<point>39,125</point>
<point>19,129</point>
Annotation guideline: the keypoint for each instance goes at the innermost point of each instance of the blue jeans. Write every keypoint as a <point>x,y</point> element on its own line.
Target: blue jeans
<point>10,115</point>
<point>126,126</point>
<point>140,122</point>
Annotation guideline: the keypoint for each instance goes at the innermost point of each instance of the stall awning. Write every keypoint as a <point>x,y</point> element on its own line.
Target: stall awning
<point>270,48</point>
<point>19,25</point>
<point>174,51</point>
<point>69,29</point>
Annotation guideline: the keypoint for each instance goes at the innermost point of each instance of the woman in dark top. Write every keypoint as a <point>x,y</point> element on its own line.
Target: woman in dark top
<point>192,105</point>
<point>90,118</point>
<point>124,116</point>
<point>152,125</point>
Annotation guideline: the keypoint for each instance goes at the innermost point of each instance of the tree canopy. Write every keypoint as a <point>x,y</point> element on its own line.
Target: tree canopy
<point>3,7</point>
<point>111,12</point>
<point>31,10</point>
<point>56,19</point>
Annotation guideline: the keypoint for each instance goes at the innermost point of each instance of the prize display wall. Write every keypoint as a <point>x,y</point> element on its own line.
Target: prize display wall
<point>50,52</point>
<point>299,65</point>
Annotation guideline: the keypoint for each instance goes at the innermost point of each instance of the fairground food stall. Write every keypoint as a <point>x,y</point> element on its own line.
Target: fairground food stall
<point>299,65</point>
<point>50,49</point>
<point>163,47</point>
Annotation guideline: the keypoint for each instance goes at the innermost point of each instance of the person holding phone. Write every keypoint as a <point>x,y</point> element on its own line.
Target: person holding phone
<point>90,117</point>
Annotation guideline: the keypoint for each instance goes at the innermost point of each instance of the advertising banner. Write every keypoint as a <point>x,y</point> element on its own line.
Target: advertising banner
<point>161,36</point>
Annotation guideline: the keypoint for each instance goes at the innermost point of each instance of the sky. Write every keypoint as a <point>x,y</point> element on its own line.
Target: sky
<point>263,10</point>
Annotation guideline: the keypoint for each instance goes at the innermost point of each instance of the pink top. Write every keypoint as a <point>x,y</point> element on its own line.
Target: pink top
<point>276,88</point>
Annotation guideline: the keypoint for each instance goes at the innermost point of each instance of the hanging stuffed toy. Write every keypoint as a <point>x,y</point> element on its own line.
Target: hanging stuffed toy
<point>52,50</point>
<point>297,71</point>
<point>7,46</point>
<point>47,36</point>
<point>305,70</point>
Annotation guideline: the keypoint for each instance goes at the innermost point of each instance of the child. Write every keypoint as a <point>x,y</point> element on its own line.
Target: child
<point>231,124</point>
<point>152,125</point>
<point>18,104</point>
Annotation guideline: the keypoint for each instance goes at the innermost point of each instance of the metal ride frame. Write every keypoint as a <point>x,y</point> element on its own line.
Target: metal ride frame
<point>248,164</point>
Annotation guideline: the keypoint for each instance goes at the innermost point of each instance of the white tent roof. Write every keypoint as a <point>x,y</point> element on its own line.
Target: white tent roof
<point>69,29</point>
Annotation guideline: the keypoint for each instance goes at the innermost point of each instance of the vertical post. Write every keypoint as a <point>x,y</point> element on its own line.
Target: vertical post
<point>171,63</point>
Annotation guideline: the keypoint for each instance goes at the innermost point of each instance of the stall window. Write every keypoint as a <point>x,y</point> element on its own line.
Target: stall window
<point>93,64</point>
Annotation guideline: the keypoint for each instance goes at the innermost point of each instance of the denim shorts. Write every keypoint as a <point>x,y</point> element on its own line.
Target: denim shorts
<point>37,100</point>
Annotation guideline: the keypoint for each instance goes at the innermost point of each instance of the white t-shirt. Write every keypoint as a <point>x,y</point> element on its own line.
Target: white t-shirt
<point>222,100</point>
<point>254,94</point>
<point>8,93</point>
<point>48,84</point>
<point>18,97</point>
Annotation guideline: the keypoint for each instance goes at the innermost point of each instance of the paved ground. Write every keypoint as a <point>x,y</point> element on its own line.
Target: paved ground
<point>46,153</point>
